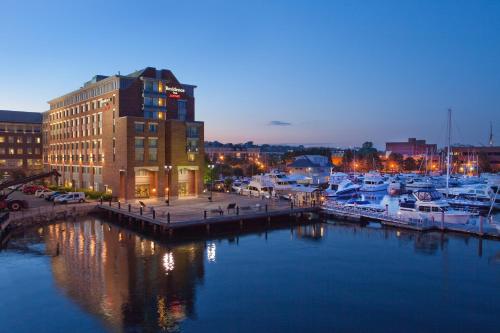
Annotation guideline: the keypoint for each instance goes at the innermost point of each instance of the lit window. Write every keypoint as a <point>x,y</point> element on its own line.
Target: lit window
<point>2,139</point>
<point>19,139</point>
<point>38,140</point>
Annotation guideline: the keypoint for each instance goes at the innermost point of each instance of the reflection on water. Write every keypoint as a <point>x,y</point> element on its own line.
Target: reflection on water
<point>125,279</point>
<point>331,273</point>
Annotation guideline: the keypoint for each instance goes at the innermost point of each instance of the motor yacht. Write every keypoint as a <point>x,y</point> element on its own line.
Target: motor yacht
<point>429,205</point>
<point>374,182</point>
<point>339,185</point>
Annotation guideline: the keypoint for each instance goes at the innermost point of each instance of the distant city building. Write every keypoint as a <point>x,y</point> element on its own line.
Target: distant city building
<point>133,136</point>
<point>219,153</point>
<point>317,167</point>
<point>20,141</point>
<point>411,148</point>
<point>468,158</point>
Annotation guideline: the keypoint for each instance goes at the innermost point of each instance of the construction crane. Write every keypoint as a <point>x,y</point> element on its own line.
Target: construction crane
<point>18,204</point>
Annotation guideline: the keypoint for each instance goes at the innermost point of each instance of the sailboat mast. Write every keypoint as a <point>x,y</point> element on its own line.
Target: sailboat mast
<point>448,155</point>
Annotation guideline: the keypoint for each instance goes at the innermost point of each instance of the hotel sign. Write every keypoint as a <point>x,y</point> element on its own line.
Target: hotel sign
<point>174,91</point>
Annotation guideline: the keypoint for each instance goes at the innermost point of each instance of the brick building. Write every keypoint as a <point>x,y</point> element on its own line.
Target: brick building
<point>470,158</point>
<point>20,142</point>
<point>411,148</point>
<point>127,135</point>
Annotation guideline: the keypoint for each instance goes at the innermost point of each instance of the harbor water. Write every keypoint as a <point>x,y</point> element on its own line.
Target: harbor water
<point>91,275</point>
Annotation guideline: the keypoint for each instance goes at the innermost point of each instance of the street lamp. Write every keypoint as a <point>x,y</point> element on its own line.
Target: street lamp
<point>211,167</point>
<point>168,168</point>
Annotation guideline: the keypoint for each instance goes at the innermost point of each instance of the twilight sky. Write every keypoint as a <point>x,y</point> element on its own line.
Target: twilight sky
<point>309,72</point>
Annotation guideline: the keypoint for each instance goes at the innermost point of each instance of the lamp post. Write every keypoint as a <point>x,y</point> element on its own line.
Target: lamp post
<point>211,167</point>
<point>168,168</point>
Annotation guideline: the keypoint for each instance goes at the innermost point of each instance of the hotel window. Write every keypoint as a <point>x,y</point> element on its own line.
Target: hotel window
<point>2,139</point>
<point>139,149</point>
<point>153,142</point>
<point>29,151</point>
<point>139,127</point>
<point>37,151</point>
<point>28,139</point>
<point>148,101</point>
<point>148,85</point>
<point>11,151</point>
<point>2,151</point>
<point>153,127</point>
<point>38,140</point>
<point>153,154</point>
<point>181,110</point>
<point>19,151</point>
<point>3,162</point>
<point>19,139</point>
<point>191,157</point>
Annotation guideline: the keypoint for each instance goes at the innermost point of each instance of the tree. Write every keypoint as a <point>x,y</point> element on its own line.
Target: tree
<point>347,160</point>
<point>394,162</point>
<point>409,164</point>
<point>367,148</point>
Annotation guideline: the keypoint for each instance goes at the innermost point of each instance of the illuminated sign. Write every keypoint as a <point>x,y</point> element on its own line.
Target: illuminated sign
<point>174,96</point>
<point>174,89</point>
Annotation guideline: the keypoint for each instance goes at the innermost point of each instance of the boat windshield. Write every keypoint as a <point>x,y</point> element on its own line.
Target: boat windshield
<point>427,195</point>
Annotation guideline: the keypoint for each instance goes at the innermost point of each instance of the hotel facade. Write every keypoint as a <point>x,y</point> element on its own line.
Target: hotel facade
<point>132,136</point>
<point>20,142</point>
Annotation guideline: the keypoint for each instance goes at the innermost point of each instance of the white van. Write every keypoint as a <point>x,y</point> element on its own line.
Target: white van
<point>71,197</point>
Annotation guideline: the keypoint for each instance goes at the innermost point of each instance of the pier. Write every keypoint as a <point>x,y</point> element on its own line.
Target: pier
<point>225,209</point>
<point>481,227</point>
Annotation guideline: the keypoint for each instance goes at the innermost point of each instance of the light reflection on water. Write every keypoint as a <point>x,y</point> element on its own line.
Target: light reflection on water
<point>93,276</point>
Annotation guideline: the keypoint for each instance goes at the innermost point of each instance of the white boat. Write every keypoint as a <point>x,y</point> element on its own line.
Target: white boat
<point>420,183</point>
<point>340,185</point>
<point>429,206</point>
<point>479,196</point>
<point>374,182</point>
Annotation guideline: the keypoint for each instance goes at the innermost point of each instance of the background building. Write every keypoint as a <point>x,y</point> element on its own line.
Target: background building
<point>467,159</point>
<point>411,148</point>
<point>133,136</point>
<point>317,167</point>
<point>20,142</point>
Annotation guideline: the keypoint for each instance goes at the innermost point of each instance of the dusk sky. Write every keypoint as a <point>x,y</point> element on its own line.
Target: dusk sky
<point>302,72</point>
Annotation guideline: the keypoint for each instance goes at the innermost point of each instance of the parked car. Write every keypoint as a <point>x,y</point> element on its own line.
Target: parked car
<point>43,193</point>
<point>71,197</point>
<point>31,189</point>
<point>52,196</point>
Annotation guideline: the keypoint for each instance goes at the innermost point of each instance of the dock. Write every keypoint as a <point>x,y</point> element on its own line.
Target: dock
<point>230,210</point>
<point>481,227</point>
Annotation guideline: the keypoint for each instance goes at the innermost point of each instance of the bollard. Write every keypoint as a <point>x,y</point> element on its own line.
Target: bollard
<point>109,202</point>
<point>140,210</point>
<point>101,201</point>
<point>154,214</point>
<point>204,214</point>
<point>119,204</point>
<point>266,208</point>
<point>168,217</point>
<point>129,208</point>
<point>237,210</point>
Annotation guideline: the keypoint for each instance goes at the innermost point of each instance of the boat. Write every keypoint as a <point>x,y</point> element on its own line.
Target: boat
<point>364,205</point>
<point>396,186</point>
<point>419,183</point>
<point>479,196</point>
<point>429,205</point>
<point>339,185</point>
<point>374,182</point>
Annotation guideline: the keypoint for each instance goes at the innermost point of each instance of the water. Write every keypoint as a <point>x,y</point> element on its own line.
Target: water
<point>93,276</point>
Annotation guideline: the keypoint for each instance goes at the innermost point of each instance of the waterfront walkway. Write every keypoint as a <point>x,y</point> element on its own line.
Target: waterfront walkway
<point>222,209</point>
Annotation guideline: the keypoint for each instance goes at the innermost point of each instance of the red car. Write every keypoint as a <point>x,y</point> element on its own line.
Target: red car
<point>31,189</point>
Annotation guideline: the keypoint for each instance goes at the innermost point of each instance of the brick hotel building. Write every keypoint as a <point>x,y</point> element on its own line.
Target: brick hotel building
<point>127,135</point>
<point>20,142</point>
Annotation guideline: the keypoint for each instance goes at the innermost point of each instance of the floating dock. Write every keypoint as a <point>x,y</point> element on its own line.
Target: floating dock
<point>481,228</point>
